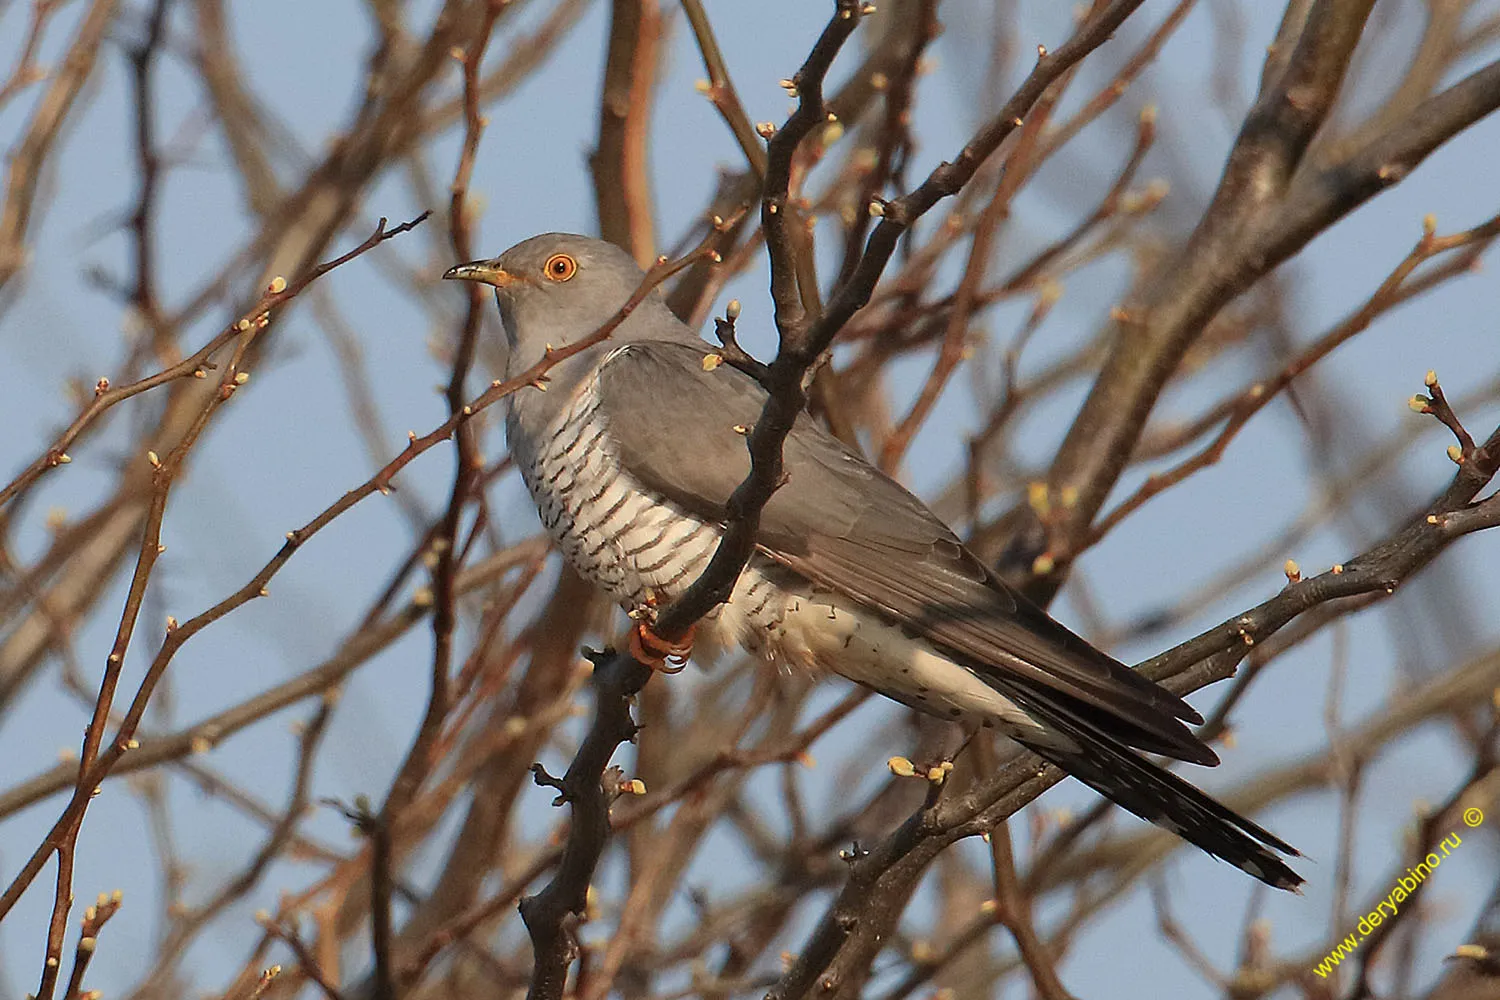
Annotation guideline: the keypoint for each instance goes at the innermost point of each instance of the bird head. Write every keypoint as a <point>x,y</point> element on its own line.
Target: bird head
<point>558,288</point>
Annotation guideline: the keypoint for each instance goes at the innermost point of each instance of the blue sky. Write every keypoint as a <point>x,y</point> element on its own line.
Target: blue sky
<point>289,448</point>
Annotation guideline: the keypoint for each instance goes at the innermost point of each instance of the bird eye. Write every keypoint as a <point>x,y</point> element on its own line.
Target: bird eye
<point>560,267</point>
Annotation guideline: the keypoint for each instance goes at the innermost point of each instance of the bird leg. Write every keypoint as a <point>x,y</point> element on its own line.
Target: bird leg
<point>651,649</point>
<point>661,655</point>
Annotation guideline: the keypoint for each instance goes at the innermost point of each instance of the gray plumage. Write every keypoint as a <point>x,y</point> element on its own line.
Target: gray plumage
<point>631,453</point>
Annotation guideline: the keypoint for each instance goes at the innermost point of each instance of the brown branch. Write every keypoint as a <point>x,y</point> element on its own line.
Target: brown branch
<point>1433,828</point>
<point>92,765</point>
<point>526,54</point>
<point>949,178</point>
<point>1468,685</point>
<point>1013,909</point>
<point>881,881</point>
<point>777,220</point>
<point>1174,935</point>
<point>468,464</point>
<point>1265,210</point>
<point>721,92</point>
<point>1040,265</point>
<point>1108,95</point>
<point>1019,167</point>
<point>953,946</point>
<point>90,772</point>
<point>800,343</point>
<point>1270,145</point>
<point>308,962</point>
<point>29,157</point>
<point>629,816</point>
<point>546,914</point>
<point>551,914</point>
<point>1255,398</point>
<point>1212,655</point>
<point>217,59</point>
<point>195,365</point>
<point>916,25</point>
<point>1164,441</point>
<point>143,219</point>
<point>884,63</point>
<point>368,639</point>
<point>26,70</point>
<point>622,188</point>
<point>94,919</point>
<point>377,829</point>
<point>290,242</point>
<point>1011,398</point>
<point>281,839</point>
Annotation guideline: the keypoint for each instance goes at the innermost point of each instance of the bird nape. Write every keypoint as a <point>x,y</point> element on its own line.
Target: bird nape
<point>631,455</point>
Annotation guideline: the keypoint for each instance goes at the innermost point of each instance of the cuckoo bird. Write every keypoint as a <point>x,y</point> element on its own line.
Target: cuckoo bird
<point>630,450</point>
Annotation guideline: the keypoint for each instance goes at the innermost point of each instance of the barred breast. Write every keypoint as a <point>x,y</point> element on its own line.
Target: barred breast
<point>635,545</point>
<point>641,548</point>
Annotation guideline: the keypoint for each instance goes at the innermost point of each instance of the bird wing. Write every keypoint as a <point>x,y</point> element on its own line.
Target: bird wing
<point>846,526</point>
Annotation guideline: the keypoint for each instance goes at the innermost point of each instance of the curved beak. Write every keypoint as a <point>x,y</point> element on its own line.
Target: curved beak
<point>484,271</point>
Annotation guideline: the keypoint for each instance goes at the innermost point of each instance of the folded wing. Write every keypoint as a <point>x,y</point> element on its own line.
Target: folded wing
<point>844,525</point>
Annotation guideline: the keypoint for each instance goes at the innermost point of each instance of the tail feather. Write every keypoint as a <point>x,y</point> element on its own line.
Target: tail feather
<point>1158,796</point>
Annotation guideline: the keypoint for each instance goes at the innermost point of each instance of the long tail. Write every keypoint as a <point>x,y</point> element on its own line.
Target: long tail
<point>1158,796</point>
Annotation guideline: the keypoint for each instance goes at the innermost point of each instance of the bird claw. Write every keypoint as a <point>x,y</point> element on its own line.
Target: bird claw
<point>660,654</point>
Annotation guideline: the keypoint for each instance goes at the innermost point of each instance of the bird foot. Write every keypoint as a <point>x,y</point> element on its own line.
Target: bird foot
<point>660,654</point>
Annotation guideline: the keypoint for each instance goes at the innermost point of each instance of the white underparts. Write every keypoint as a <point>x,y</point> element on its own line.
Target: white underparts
<point>640,549</point>
<point>826,631</point>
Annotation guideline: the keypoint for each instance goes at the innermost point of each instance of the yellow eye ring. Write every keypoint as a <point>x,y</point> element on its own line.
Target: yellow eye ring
<point>560,267</point>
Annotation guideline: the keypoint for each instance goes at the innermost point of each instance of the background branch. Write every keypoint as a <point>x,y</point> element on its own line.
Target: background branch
<point>1153,248</point>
